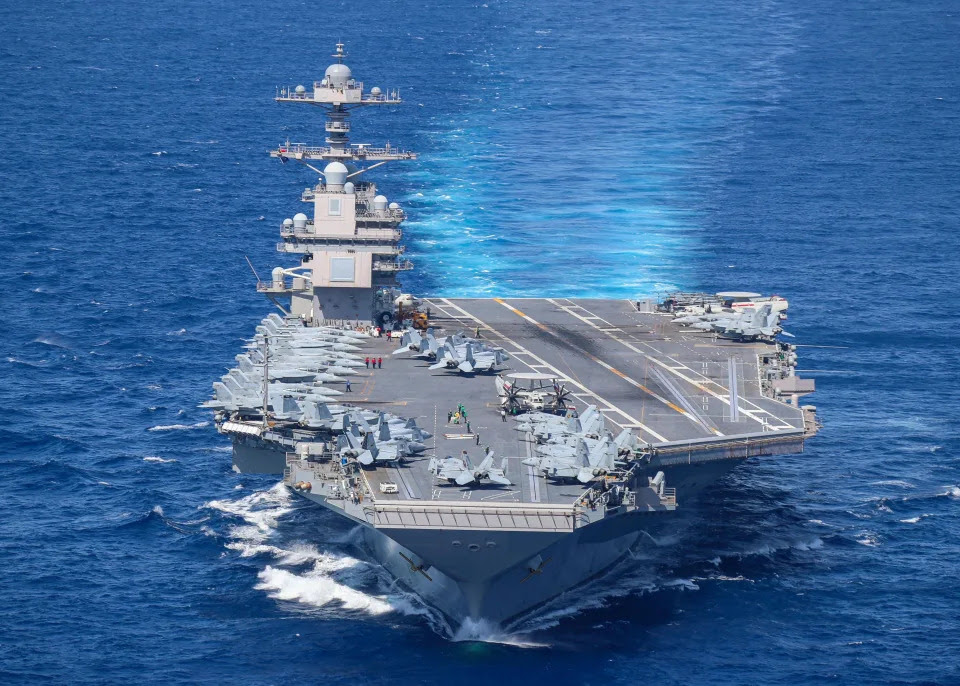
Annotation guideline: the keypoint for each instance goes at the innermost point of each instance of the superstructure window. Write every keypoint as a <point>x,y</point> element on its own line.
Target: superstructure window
<point>333,209</point>
<point>341,268</point>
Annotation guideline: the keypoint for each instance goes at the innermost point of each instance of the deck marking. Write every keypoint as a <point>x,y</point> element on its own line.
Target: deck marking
<point>607,366</point>
<point>560,375</point>
<point>410,492</point>
<point>722,398</point>
<point>734,394</point>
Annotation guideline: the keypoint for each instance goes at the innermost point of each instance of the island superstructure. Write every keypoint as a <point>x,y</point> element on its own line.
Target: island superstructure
<point>351,247</point>
<point>495,452</point>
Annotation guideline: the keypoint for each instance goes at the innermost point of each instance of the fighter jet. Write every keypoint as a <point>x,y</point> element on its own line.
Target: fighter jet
<point>425,347</point>
<point>469,358</point>
<point>458,352</point>
<point>276,325</point>
<point>543,425</point>
<point>458,470</point>
<point>391,426</point>
<point>281,371</point>
<point>370,451</point>
<point>749,325</point>
<point>762,327</point>
<point>585,464</point>
<point>318,415</point>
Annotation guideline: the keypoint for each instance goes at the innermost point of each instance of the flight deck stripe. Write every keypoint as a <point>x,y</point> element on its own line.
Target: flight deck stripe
<point>749,413</point>
<point>633,422</point>
<point>609,367</point>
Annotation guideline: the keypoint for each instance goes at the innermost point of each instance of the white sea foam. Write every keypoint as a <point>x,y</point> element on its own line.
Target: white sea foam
<point>487,632</point>
<point>319,586</point>
<point>768,549</point>
<point>893,482</point>
<point>157,510</point>
<point>331,579</point>
<point>952,492</point>
<point>178,427</point>
<point>260,510</point>
<point>154,458</point>
<point>913,520</point>
<point>868,539</point>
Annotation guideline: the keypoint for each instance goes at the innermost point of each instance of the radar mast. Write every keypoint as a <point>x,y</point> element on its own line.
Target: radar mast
<point>351,252</point>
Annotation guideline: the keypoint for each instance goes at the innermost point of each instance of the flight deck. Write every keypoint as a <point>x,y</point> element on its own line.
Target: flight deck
<point>666,384</point>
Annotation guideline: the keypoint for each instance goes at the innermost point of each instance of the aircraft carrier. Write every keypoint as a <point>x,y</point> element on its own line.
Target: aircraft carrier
<point>495,452</point>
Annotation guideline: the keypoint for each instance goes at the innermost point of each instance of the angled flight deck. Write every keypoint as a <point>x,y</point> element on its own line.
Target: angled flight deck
<point>666,384</point>
<point>646,373</point>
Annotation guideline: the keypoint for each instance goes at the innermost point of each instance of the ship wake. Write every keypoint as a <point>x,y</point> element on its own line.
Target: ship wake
<point>322,578</point>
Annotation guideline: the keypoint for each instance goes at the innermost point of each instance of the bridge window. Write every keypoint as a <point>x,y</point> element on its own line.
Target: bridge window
<point>333,209</point>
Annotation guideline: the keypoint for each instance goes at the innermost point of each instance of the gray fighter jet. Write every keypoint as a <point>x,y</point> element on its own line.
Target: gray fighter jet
<point>764,327</point>
<point>369,451</point>
<point>457,352</point>
<point>469,357</point>
<point>586,463</point>
<point>458,470</point>
<point>759,323</point>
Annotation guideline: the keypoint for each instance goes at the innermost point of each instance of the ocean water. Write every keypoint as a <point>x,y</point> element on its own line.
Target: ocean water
<point>620,149</point>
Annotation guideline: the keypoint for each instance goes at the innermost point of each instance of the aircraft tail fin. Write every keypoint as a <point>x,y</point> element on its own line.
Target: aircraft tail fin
<point>222,393</point>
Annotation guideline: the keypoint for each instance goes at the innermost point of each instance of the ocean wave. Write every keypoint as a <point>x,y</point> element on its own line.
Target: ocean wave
<point>914,520</point>
<point>260,511</point>
<point>483,631</point>
<point>26,363</point>
<point>332,579</point>
<point>153,458</point>
<point>893,482</point>
<point>52,340</point>
<point>178,427</point>
<point>772,548</point>
<point>319,586</point>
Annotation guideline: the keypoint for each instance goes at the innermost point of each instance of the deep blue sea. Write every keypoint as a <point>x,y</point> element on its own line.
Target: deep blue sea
<point>809,149</point>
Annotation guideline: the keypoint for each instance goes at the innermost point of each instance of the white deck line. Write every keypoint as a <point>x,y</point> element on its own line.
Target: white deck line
<point>560,375</point>
<point>722,398</point>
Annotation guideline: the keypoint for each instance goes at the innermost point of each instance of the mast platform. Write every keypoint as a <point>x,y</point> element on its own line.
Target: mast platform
<point>298,152</point>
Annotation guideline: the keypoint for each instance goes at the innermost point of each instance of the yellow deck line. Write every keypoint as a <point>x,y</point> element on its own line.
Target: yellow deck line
<point>608,367</point>
<point>725,400</point>
<point>633,420</point>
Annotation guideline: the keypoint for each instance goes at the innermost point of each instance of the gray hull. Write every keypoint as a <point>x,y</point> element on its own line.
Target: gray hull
<point>483,577</point>
<point>254,456</point>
